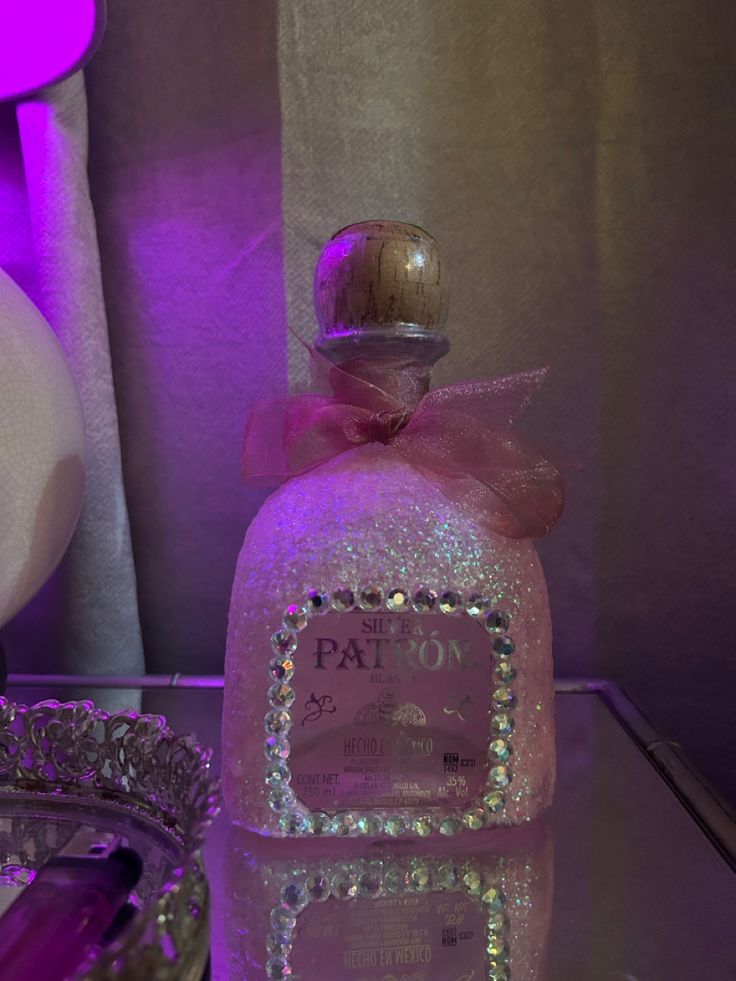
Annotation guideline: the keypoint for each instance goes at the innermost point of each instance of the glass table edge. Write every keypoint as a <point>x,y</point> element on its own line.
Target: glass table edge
<point>713,815</point>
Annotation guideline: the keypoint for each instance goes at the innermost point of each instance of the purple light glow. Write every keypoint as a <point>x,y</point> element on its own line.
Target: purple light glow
<point>43,41</point>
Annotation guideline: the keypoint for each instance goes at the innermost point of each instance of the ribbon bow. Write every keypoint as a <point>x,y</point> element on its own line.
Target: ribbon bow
<point>460,437</point>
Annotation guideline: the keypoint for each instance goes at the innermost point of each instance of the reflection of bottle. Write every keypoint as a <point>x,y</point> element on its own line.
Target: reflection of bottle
<point>389,637</point>
<point>330,912</point>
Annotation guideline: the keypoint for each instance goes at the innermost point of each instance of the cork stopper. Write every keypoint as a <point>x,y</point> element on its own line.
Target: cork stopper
<point>381,288</point>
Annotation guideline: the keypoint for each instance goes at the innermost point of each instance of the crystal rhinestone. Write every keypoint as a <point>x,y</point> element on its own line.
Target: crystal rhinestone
<point>446,877</point>
<point>398,600</point>
<point>318,601</point>
<point>477,604</point>
<point>283,642</point>
<point>279,944</point>
<point>503,647</point>
<point>450,826</point>
<point>424,599</point>
<point>451,602</point>
<point>344,824</point>
<point>503,698</point>
<point>283,919</point>
<point>499,776</point>
<point>496,946</point>
<point>494,801</point>
<point>497,621</point>
<point>371,597</point>
<point>394,826</point>
<point>369,825</point>
<point>280,800</point>
<point>344,884</point>
<point>420,876</point>
<point>277,722</point>
<point>497,923</point>
<point>343,600</point>
<point>502,723</point>
<point>498,972</point>
<point>394,880</point>
<point>474,819</point>
<point>370,881</point>
<point>276,748</point>
<point>504,671</point>
<point>295,617</point>
<point>292,824</point>
<point>278,774</point>
<point>318,823</point>
<point>278,968</point>
<point>294,896</point>
<point>471,879</point>
<point>281,668</point>
<point>499,749</point>
<point>318,887</point>
<point>281,696</point>
<point>422,826</point>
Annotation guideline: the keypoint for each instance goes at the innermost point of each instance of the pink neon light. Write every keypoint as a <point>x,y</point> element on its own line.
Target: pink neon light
<point>42,41</point>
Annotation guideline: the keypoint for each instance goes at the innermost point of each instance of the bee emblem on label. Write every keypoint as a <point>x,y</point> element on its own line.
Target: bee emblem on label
<point>388,709</point>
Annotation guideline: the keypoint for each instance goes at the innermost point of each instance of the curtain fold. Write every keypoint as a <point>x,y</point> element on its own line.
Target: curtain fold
<point>96,629</point>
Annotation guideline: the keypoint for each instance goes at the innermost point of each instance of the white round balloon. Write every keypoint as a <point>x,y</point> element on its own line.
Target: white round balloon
<point>41,450</point>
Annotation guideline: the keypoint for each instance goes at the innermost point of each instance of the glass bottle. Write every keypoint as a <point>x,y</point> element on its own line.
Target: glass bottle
<point>388,668</point>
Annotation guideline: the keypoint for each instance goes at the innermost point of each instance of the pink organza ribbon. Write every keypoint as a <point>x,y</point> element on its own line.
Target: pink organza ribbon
<point>460,437</point>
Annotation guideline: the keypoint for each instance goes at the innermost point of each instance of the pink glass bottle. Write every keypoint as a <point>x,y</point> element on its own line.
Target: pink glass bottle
<point>388,667</point>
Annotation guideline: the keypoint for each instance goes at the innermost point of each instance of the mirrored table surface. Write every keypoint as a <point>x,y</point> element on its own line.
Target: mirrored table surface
<point>630,877</point>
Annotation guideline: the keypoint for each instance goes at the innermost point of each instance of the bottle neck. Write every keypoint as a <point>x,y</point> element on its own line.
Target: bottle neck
<point>404,379</point>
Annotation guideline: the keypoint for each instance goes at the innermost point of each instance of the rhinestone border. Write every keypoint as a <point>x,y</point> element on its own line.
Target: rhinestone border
<point>295,819</point>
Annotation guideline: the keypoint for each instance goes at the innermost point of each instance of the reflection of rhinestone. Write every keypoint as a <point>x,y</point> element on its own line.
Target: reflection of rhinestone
<point>505,671</point>
<point>278,774</point>
<point>343,824</point>
<point>499,749</point>
<point>424,599</point>
<point>279,944</point>
<point>451,602</point>
<point>476,604</point>
<point>496,947</point>
<point>369,824</point>
<point>371,597</point>
<point>394,880</point>
<point>295,617</point>
<point>278,968</point>
<point>394,826</point>
<point>281,696</point>
<point>283,919</point>
<point>503,698</point>
<point>474,819</point>
<point>370,881</point>
<point>318,888</point>
<point>503,647</point>
<point>450,826</point>
<point>494,801</point>
<point>317,601</point>
<point>294,896</point>
<point>497,923</point>
<point>280,800</point>
<point>497,621</point>
<point>292,824</point>
<point>499,776</point>
<point>498,972</point>
<point>420,876</point>
<point>343,600</point>
<point>276,749</point>
<point>422,826</point>
<point>318,823</point>
<point>281,668</point>
<point>283,642</point>
<point>398,600</point>
<point>277,722</point>
<point>502,723</point>
<point>446,877</point>
<point>344,884</point>
<point>471,879</point>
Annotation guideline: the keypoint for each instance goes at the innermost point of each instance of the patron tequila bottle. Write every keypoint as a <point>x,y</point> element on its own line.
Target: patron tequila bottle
<point>388,665</point>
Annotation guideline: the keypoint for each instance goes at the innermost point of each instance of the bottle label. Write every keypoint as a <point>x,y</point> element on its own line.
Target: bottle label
<point>390,710</point>
<point>400,938</point>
